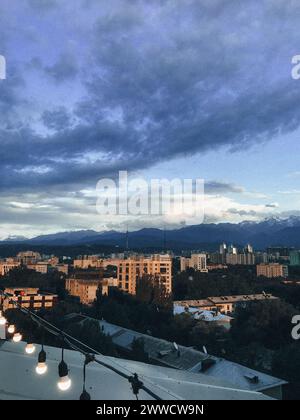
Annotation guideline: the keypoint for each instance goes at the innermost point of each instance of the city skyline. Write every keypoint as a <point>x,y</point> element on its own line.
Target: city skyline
<point>183,89</point>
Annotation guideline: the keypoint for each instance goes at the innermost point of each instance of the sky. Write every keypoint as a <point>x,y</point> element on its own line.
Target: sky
<point>161,89</point>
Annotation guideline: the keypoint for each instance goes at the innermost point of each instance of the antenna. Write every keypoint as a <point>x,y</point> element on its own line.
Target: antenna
<point>175,346</point>
<point>165,239</point>
<point>127,239</point>
<point>204,350</point>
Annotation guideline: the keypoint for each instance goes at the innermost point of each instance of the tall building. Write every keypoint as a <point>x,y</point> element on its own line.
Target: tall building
<point>223,248</point>
<point>272,270</point>
<point>197,261</point>
<point>294,258</point>
<point>135,267</point>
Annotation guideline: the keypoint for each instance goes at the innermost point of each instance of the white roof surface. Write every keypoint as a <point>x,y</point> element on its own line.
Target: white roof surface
<point>19,381</point>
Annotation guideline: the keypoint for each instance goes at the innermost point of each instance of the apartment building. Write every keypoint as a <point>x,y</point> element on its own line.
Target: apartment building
<point>29,257</point>
<point>84,285</point>
<point>86,262</point>
<point>223,304</point>
<point>7,265</point>
<point>272,270</point>
<point>196,261</point>
<point>28,297</point>
<point>135,267</point>
<point>240,259</point>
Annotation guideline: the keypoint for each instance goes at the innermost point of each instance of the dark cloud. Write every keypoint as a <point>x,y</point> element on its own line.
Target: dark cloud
<point>65,68</point>
<point>216,187</point>
<point>57,119</point>
<point>42,5</point>
<point>162,80</point>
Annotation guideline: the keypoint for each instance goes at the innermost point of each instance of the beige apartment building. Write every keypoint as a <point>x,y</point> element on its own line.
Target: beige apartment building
<point>85,290</point>
<point>92,261</point>
<point>272,270</point>
<point>84,285</point>
<point>28,297</point>
<point>29,257</point>
<point>197,262</point>
<point>135,267</point>
<point>7,265</point>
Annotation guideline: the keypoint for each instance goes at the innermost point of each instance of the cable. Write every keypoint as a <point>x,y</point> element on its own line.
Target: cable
<point>137,385</point>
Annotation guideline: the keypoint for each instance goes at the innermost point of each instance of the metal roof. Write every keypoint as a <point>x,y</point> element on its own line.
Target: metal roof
<point>190,359</point>
<point>19,381</point>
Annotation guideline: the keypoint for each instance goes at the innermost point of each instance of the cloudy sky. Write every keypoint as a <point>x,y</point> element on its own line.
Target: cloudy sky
<point>160,88</point>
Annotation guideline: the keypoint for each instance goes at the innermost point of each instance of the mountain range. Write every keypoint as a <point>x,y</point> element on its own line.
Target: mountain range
<point>274,231</point>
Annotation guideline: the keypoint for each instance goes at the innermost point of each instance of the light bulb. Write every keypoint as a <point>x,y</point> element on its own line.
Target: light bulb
<point>11,329</point>
<point>64,383</point>
<point>17,337</point>
<point>41,368</point>
<point>2,319</point>
<point>30,348</point>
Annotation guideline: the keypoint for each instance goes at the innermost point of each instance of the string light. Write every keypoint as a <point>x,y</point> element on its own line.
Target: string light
<point>30,348</point>
<point>11,329</point>
<point>3,320</point>
<point>17,337</point>
<point>64,382</point>
<point>85,396</point>
<point>42,367</point>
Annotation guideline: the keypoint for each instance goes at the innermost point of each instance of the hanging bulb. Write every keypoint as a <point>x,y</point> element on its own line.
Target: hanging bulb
<point>64,382</point>
<point>85,396</point>
<point>17,337</point>
<point>30,348</point>
<point>11,329</point>
<point>41,366</point>
<point>2,319</point>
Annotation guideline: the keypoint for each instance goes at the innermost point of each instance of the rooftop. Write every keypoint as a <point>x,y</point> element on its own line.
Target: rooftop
<point>19,381</point>
<point>165,353</point>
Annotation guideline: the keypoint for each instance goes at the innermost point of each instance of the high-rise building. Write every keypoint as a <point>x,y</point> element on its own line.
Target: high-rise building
<point>223,248</point>
<point>294,258</point>
<point>196,261</point>
<point>135,267</point>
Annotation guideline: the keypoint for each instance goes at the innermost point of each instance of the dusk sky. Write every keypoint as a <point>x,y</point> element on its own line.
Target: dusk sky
<point>173,88</point>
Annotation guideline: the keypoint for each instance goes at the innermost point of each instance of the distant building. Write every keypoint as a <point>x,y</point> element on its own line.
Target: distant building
<point>240,259</point>
<point>7,265</point>
<point>135,267</point>
<point>29,257</point>
<point>108,282</point>
<point>213,317</point>
<point>28,297</point>
<point>84,285</point>
<point>212,267</point>
<point>272,270</point>
<point>196,261</point>
<point>294,258</point>
<point>40,267</point>
<point>230,255</point>
<point>62,268</point>
<point>223,304</point>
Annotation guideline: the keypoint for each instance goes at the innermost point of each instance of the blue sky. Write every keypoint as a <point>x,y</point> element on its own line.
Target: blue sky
<point>175,88</point>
